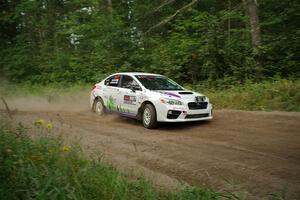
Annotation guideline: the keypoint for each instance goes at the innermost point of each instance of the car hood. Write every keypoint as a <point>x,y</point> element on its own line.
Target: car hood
<point>179,94</point>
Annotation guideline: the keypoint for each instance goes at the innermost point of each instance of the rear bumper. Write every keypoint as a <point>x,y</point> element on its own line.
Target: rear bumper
<point>186,115</point>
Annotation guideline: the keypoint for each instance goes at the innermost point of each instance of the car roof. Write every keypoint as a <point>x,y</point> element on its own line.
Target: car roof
<point>137,73</point>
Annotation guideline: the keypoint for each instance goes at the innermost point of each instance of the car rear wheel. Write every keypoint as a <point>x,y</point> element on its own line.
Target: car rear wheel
<point>149,116</point>
<point>99,106</point>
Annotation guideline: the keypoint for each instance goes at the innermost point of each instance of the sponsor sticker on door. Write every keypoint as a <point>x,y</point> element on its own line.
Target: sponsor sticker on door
<point>129,99</point>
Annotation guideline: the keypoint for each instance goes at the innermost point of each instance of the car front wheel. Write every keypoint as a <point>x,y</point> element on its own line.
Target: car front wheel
<point>149,116</point>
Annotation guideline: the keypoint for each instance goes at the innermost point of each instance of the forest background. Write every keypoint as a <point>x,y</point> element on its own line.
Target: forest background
<point>224,47</point>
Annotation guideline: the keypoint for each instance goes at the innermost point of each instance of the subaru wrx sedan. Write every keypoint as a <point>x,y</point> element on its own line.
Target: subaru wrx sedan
<point>149,97</point>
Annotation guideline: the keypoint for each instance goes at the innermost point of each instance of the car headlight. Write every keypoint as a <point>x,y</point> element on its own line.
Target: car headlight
<point>171,101</point>
<point>206,98</point>
<point>201,99</point>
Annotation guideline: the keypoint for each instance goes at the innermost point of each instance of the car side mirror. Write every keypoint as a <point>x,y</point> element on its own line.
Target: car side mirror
<point>134,88</point>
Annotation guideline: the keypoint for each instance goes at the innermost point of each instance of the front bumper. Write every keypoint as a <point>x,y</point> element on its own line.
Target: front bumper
<point>185,115</point>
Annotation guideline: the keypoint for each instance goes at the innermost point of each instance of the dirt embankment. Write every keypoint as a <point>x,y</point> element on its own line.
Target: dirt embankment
<point>250,153</point>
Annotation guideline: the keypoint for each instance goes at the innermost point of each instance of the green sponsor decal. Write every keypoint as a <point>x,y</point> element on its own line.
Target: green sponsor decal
<point>110,104</point>
<point>114,107</point>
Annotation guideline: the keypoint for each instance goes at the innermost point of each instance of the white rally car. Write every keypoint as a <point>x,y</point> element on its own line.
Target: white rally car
<point>149,97</point>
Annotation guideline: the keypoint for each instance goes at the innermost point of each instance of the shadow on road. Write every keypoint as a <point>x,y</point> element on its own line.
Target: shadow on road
<point>181,125</point>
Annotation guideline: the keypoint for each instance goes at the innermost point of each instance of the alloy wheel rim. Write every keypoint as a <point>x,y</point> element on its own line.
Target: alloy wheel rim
<point>99,108</point>
<point>147,116</point>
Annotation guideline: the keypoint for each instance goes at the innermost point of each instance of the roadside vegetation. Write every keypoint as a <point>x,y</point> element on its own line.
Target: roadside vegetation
<point>46,167</point>
<point>272,95</point>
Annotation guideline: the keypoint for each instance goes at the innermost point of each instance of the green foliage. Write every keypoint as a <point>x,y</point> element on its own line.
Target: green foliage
<point>281,37</point>
<point>58,41</point>
<point>47,168</point>
<point>198,49</point>
<point>280,94</point>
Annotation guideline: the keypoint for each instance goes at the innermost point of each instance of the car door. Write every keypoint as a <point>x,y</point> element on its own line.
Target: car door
<point>129,93</point>
<point>110,98</point>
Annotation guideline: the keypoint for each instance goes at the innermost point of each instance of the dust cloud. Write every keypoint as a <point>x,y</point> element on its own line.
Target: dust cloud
<point>59,101</point>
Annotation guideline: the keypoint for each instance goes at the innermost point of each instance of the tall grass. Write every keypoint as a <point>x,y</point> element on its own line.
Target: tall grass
<point>46,168</point>
<point>280,94</point>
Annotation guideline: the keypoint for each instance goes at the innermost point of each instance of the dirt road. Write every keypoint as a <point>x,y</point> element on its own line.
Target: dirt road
<point>252,154</point>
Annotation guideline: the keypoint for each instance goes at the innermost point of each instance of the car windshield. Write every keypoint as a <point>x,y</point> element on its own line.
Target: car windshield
<point>158,82</point>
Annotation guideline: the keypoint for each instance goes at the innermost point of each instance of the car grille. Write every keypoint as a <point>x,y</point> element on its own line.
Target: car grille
<point>197,106</point>
<point>194,116</point>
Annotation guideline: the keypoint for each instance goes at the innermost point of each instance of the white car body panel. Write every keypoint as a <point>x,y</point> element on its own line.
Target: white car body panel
<point>127,102</point>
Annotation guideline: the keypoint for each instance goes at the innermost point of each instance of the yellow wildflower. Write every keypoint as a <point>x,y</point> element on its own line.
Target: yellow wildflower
<point>39,122</point>
<point>49,126</point>
<point>66,148</point>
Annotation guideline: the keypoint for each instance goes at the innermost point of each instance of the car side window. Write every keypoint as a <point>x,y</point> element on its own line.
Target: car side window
<point>129,82</point>
<point>113,81</point>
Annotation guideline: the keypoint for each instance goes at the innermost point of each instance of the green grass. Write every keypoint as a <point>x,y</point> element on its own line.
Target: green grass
<point>279,95</point>
<point>45,168</point>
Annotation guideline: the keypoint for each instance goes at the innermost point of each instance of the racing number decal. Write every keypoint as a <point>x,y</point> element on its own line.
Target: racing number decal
<point>129,99</point>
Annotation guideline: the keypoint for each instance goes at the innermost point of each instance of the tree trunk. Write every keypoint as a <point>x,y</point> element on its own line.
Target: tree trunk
<point>251,8</point>
<point>109,4</point>
<point>229,22</point>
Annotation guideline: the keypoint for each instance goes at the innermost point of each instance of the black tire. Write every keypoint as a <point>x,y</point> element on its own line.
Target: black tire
<point>98,107</point>
<point>149,116</point>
